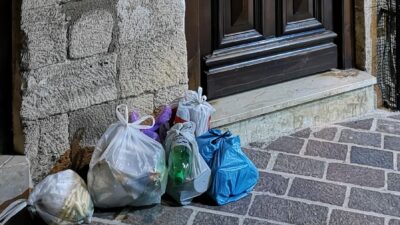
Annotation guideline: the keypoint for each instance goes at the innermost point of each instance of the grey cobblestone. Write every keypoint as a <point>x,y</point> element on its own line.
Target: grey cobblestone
<point>392,143</point>
<point>305,133</point>
<point>387,126</point>
<point>394,222</point>
<point>340,217</point>
<point>373,201</point>
<point>256,222</point>
<point>371,157</point>
<point>259,158</point>
<point>326,150</point>
<point>158,214</point>
<point>287,144</point>
<point>359,124</point>
<point>272,183</point>
<point>393,182</point>
<point>297,165</point>
<point>326,133</point>
<point>288,211</point>
<point>203,218</point>
<point>360,138</point>
<point>356,175</point>
<point>239,207</point>
<point>318,191</point>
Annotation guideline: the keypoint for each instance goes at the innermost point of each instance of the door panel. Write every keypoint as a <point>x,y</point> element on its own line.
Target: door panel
<point>237,23</point>
<point>255,43</point>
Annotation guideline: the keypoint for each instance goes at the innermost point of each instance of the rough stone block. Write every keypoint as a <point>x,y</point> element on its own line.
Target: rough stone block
<point>159,214</point>
<point>203,218</point>
<point>356,175</point>
<point>371,157</point>
<point>340,217</point>
<point>165,96</point>
<point>96,119</point>
<point>360,138</point>
<point>326,150</point>
<point>318,191</point>
<point>272,183</point>
<point>387,126</point>
<point>45,37</point>
<point>91,34</point>
<point>152,38</point>
<point>392,143</point>
<point>372,201</point>
<point>359,124</point>
<point>69,86</point>
<point>259,158</point>
<point>288,211</point>
<point>393,182</point>
<point>15,179</point>
<point>51,142</point>
<point>287,144</point>
<point>31,4</point>
<point>326,133</point>
<point>298,165</point>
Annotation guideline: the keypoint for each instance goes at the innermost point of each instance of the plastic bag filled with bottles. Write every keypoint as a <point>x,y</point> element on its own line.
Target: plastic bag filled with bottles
<point>60,198</point>
<point>194,107</point>
<point>233,174</point>
<point>128,168</point>
<point>188,173</point>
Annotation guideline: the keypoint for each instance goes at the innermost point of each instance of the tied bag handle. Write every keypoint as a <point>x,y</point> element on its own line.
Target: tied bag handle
<point>137,124</point>
<point>219,136</point>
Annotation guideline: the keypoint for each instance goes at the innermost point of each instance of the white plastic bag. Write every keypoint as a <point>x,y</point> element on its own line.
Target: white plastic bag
<point>194,107</point>
<point>61,198</point>
<point>127,167</point>
<point>186,164</point>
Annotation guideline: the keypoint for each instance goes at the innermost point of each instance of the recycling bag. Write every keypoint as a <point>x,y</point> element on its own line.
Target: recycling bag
<point>189,175</point>
<point>194,107</point>
<point>233,174</point>
<point>127,167</point>
<point>60,198</point>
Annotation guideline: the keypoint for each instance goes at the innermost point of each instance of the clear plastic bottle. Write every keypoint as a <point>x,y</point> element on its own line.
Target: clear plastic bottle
<point>180,160</point>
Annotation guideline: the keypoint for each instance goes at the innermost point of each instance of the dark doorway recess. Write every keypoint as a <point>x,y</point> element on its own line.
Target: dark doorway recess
<point>240,45</point>
<point>5,77</point>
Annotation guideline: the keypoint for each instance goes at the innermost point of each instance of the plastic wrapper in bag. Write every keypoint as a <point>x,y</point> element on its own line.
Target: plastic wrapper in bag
<point>61,198</point>
<point>194,107</point>
<point>127,168</point>
<point>188,173</point>
<point>233,174</point>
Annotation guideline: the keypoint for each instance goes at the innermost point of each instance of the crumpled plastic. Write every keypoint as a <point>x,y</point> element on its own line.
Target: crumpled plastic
<point>198,179</point>
<point>194,107</point>
<point>62,198</point>
<point>127,168</point>
<point>234,176</point>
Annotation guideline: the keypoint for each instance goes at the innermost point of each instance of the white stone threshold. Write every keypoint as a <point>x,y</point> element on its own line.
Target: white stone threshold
<point>273,98</point>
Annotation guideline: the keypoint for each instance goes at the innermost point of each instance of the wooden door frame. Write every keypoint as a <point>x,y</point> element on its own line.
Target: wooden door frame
<point>197,38</point>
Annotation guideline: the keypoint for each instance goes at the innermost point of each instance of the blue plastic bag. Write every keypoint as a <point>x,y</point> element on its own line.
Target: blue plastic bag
<point>233,174</point>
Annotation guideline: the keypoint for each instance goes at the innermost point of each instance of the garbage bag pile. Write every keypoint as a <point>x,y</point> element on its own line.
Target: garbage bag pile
<point>139,159</point>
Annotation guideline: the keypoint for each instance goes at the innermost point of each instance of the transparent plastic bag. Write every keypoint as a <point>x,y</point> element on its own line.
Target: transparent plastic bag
<point>189,175</point>
<point>234,176</point>
<point>127,167</point>
<point>194,107</point>
<point>61,198</point>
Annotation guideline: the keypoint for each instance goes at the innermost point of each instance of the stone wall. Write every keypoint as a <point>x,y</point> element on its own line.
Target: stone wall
<point>81,58</point>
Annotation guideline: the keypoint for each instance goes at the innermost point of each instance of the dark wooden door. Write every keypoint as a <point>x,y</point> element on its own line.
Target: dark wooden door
<point>247,44</point>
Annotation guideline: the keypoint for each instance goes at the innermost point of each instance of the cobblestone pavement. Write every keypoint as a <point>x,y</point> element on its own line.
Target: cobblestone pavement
<point>343,174</point>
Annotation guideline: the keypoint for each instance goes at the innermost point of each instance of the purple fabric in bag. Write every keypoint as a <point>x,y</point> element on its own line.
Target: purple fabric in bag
<point>161,119</point>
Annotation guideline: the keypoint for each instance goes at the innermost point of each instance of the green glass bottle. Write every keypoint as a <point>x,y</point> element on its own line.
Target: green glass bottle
<point>180,160</point>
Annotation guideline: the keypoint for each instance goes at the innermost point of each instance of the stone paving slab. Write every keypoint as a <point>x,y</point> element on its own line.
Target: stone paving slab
<point>311,177</point>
